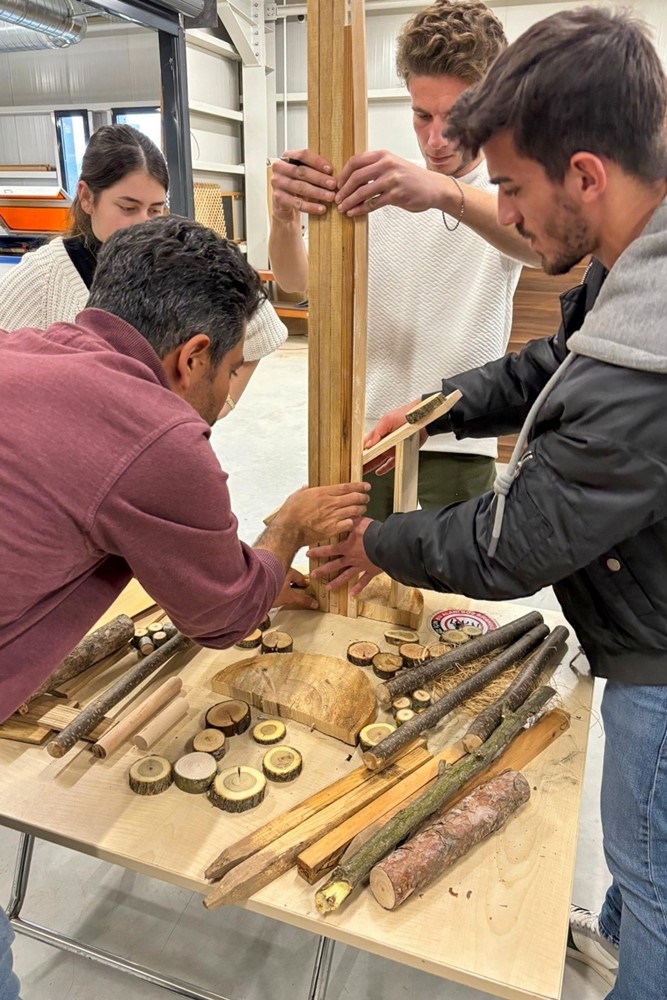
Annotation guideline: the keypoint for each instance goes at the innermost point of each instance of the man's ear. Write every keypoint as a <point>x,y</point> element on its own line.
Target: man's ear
<point>186,364</point>
<point>587,176</point>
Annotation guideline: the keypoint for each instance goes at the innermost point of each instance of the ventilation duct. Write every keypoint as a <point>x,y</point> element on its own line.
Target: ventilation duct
<point>39,24</point>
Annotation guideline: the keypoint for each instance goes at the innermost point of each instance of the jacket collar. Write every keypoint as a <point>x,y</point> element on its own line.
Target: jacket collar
<point>122,338</point>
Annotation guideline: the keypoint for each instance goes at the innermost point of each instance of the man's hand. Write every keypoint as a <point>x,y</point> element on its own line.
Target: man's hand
<point>309,188</point>
<point>389,422</point>
<point>371,180</point>
<point>347,560</point>
<point>322,511</point>
<point>294,593</point>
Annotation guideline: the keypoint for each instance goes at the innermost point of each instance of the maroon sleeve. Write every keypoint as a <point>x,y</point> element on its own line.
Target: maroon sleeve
<point>169,516</point>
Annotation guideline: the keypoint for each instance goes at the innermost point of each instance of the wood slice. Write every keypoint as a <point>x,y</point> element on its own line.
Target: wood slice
<point>375,603</point>
<point>420,700</point>
<point>397,636</point>
<point>400,703</point>
<point>150,775</point>
<point>277,642</point>
<point>404,715</point>
<point>387,665</point>
<point>139,634</point>
<point>251,641</point>
<point>194,772</point>
<point>265,625</point>
<point>159,638</point>
<point>282,764</point>
<point>269,731</point>
<point>232,717</point>
<point>237,789</point>
<point>169,628</point>
<point>472,631</point>
<point>362,653</point>
<point>211,741</point>
<point>146,646</point>
<point>413,654</point>
<point>456,637</point>
<point>373,734</point>
<point>438,649</point>
<point>323,692</point>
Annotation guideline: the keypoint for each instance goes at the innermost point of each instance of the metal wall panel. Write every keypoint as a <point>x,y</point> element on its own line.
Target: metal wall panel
<point>214,141</point>
<point>213,80</point>
<point>27,139</point>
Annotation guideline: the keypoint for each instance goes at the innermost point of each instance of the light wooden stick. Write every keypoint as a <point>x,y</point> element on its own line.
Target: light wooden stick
<point>406,430</point>
<point>158,726</point>
<point>137,717</point>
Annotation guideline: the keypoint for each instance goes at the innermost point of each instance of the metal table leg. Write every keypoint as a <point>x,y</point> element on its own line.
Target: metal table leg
<point>318,984</point>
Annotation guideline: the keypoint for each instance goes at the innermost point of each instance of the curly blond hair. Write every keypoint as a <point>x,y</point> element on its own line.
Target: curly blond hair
<point>450,39</point>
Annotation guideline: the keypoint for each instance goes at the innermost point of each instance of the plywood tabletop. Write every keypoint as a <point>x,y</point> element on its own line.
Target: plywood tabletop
<point>496,922</point>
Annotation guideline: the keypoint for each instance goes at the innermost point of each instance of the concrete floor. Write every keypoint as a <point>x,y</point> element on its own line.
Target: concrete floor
<point>238,954</point>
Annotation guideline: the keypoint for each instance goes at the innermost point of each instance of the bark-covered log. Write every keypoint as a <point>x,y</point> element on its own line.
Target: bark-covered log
<point>549,652</point>
<point>376,757</point>
<point>91,714</point>
<point>347,876</point>
<point>440,844</point>
<point>472,650</point>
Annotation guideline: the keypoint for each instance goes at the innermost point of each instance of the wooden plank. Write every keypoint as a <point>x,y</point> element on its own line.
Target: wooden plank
<point>406,493</point>
<point>406,430</point>
<point>18,729</point>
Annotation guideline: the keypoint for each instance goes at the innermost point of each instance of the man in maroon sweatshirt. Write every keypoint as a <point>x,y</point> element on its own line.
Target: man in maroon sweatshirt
<point>106,471</point>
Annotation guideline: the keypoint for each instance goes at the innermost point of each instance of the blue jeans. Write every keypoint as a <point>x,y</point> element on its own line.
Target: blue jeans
<point>634,825</point>
<point>9,984</point>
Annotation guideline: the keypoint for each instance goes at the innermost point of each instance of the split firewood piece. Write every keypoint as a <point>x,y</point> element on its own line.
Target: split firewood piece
<point>387,665</point>
<point>398,704</point>
<point>161,724</point>
<point>211,741</point>
<point>148,707</point>
<point>282,764</point>
<point>397,636</point>
<point>413,654</point>
<point>374,758</point>
<point>277,642</point>
<point>237,789</point>
<point>516,693</point>
<point>347,877</point>
<point>362,653</point>
<point>472,650</point>
<point>370,735</point>
<point>420,700</point>
<point>232,717</point>
<point>194,772</point>
<point>269,731</point>
<point>251,641</point>
<point>150,775</point>
<point>425,408</point>
<point>440,844</point>
<point>91,714</point>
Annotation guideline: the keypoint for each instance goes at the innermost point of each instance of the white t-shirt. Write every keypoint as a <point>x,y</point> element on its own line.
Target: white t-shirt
<point>439,303</point>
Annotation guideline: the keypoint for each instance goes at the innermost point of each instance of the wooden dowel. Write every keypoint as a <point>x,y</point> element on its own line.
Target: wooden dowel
<point>162,722</point>
<point>92,714</point>
<point>137,717</point>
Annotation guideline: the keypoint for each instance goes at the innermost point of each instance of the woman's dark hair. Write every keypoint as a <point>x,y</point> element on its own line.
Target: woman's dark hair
<point>172,278</point>
<point>113,152</point>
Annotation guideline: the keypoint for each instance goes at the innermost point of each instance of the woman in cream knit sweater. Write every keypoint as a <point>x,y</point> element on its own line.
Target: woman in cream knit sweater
<point>124,180</point>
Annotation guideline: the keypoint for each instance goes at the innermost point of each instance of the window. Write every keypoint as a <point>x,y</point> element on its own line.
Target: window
<point>146,120</point>
<point>72,132</point>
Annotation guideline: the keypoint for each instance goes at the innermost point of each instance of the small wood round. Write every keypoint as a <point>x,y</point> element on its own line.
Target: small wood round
<point>400,703</point>
<point>277,642</point>
<point>251,641</point>
<point>397,636</point>
<point>146,646</point>
<point>269,731</point>
<point>472,631</point>
<point>169,628</point>
<point>265,625</point>
<point>404,715</point>
<point>373,734</point>
<point>139,634</point>
<point>386,665</point>
<point>382,889</point>
<point>150,775</point>
<point>194,772</point>
<point>211,741</point>
<point>456,637</point>
<point>420,700</point>
<point>154,627</point>
<point>413,654</point>
<point>362,653</point>
<point>282,764</point>
<point>237,789</point>
<point>232,717</point>
<point>159,638</point>
<point>438,649</point>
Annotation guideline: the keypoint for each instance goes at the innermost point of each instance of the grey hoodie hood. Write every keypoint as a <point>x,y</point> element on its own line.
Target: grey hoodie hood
<point>627,327</point>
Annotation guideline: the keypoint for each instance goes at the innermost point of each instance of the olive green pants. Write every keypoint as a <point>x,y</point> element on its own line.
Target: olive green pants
<point>444,478</point>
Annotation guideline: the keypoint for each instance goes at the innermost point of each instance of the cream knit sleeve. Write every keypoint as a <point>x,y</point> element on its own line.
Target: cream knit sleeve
<point>44,288</point>
<point>265,333</point>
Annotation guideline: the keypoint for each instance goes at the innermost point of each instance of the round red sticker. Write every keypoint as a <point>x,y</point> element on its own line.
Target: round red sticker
<point>453,618</point>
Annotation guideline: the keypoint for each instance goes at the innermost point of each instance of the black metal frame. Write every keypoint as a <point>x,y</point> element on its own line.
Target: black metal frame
<point>59,115</point>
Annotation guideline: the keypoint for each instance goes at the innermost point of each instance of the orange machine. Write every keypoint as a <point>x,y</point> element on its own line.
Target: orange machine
<point>34,210</point>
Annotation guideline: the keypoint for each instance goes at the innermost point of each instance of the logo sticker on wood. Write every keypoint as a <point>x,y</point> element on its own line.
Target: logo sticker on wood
<point>452,618</point>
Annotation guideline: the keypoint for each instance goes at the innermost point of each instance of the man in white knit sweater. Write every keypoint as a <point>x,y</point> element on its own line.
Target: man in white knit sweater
<point>442,272</point>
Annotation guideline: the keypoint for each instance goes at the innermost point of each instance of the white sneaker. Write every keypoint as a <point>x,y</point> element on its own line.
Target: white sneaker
<point>586,943</point>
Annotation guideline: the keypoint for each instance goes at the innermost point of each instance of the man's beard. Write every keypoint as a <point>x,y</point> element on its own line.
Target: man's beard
<point>574,241</point>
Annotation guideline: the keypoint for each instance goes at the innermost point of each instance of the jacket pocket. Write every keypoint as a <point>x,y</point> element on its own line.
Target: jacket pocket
<point>617,583</point>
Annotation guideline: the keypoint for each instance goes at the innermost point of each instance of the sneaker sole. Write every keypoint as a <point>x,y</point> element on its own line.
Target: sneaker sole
<point>608,975</point>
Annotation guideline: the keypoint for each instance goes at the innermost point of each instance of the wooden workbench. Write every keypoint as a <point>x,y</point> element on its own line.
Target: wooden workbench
<point>496,922</point>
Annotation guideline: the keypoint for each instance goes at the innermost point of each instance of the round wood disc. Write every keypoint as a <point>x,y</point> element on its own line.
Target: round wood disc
<point>159,638</point>
<point>413,654</point>
<point>269,731</point>
<point>194,772</point>
<point>420,699</point>
<point>265,625</point>
<point>211,741</point>
<point>232,717</point>
<point>399,703</point>
<point>386,665</point>
<point>139,634</point>
<point>277,642</point>
<point>371,735</point>
<point>472,631</point>
<point>146,645</point>
<point>362,653</point>
<point>456,637</point>
<point>438,649</point>
<point>397,636</point>
<point>237,789</point>
<point>251,641</point>
<point>150,775</point>
<point>282,764</point>
<point>404,715</point>
<point>169,628</point>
